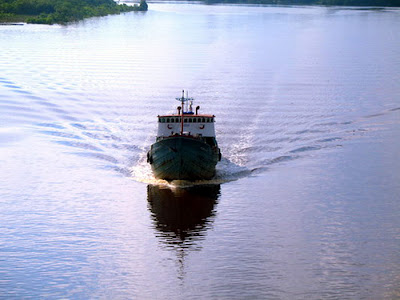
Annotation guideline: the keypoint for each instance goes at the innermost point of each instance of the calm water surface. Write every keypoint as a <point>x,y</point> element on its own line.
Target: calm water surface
<point>306,201</point>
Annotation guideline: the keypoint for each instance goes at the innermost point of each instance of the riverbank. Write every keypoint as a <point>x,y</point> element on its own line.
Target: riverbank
<point>61,11</point>
<point>356,3</point>
<point>374,3</point>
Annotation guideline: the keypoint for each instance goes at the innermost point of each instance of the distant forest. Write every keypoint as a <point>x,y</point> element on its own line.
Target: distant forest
<point>61,11</point>
<point>394,3</point>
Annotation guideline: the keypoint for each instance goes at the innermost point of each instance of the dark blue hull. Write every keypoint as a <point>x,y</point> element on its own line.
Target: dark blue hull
<point>183,158</point>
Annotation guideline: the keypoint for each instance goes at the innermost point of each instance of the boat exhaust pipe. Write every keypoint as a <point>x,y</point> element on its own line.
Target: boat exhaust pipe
<point>197,109</point>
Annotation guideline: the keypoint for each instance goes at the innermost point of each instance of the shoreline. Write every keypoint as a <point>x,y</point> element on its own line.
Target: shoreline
<point>61,11</point>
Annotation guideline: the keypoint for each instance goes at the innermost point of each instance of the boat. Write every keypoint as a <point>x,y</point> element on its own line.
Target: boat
<point>186,147</point>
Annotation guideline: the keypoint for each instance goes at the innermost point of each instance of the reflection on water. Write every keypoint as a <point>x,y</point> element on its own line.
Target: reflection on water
<point>182,215</point>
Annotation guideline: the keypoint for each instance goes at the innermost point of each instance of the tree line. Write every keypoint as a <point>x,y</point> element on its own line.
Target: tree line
<point>61,11</point>
<point>393,3</point>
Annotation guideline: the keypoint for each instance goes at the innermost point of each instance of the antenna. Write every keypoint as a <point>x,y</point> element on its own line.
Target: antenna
<point>183,106</point>
<point>183,100</point>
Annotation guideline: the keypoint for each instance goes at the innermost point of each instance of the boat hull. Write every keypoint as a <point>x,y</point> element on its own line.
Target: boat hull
<point>183,158</point>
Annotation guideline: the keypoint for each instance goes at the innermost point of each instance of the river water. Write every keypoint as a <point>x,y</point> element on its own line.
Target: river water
<point>306,200</point>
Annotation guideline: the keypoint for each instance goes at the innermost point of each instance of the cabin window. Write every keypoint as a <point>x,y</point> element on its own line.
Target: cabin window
<point>190,120</point>
<point>194,120</point>
<point>203,120</point>
<point>177,120</point>
<point>184,120</point>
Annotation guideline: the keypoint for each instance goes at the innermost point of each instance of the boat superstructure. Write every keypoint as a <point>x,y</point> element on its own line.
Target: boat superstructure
<point>186,146</point>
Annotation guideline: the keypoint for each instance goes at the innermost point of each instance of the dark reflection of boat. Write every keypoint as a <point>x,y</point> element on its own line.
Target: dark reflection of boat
<point>182,215</point>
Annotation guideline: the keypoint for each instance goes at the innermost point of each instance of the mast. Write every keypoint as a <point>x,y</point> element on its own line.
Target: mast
<point>182,101</point>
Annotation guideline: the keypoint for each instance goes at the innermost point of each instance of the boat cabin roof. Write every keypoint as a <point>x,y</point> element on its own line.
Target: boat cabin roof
<point>186,115</point>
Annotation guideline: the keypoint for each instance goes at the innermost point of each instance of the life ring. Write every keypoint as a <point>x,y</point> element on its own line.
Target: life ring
<point>169,126</point>
<point>201,126</point>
